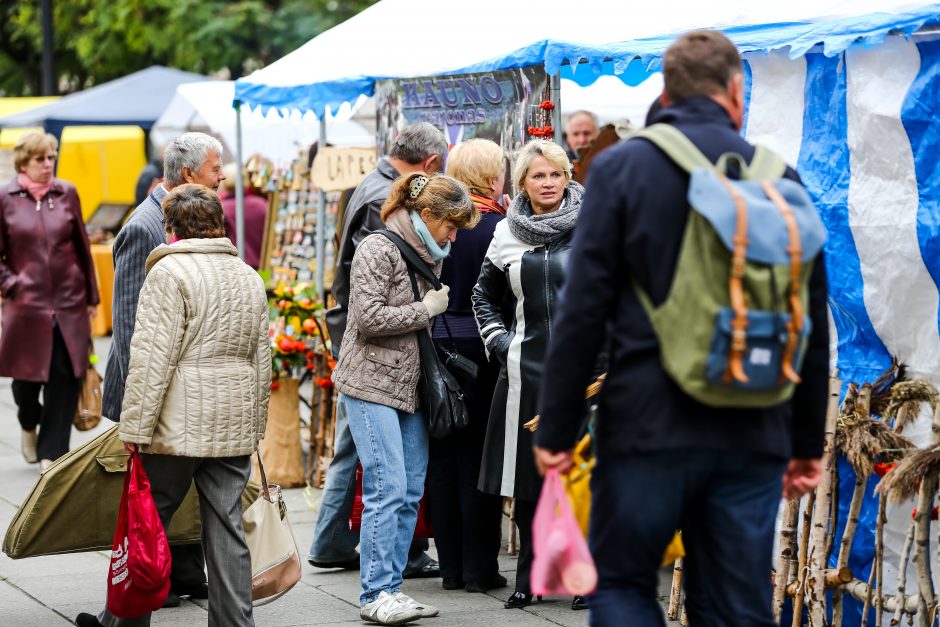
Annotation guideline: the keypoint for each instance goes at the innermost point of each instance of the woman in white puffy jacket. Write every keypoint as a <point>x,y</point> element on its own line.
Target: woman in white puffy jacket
<point>198,384</point>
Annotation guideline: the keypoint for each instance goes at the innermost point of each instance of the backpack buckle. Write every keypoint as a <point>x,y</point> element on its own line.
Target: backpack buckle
<point>738,340</point>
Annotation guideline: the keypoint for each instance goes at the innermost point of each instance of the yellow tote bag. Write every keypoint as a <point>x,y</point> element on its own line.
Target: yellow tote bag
<point>578,487</point>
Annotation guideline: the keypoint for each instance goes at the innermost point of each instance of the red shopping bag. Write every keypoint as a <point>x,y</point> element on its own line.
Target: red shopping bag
<point>562,563</point>
<point>139,577</point>
<point>423,527</point>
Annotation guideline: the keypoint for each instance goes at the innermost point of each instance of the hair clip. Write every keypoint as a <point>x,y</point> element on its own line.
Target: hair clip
<point>417,184</point>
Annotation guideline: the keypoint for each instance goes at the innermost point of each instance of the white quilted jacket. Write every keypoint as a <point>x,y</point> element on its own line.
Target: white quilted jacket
<point>200,360</point>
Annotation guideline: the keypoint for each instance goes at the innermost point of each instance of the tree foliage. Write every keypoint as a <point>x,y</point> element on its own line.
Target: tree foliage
<point>100,40</point>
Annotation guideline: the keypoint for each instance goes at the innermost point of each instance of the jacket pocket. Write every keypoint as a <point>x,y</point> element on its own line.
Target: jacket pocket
<point>382,368</point>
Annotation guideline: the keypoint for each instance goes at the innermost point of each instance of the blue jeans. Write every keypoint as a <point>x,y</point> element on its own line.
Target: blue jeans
<point>725,502</point>
<point>333,540</point>
<point>393,450</point>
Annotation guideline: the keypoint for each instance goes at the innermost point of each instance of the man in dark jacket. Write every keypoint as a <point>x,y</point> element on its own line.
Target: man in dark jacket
<point>666,462</point>
<point>418,148</point>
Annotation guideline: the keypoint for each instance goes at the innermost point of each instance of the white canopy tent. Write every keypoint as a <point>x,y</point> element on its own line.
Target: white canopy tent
<point>610,99</point>
<point>207,107</point>
<point>411,38</point>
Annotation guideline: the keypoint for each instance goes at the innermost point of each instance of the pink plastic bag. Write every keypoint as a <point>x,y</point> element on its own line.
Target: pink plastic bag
<point>562,563</point>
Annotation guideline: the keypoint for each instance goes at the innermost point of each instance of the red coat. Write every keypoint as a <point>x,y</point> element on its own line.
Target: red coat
<point>46,271</point>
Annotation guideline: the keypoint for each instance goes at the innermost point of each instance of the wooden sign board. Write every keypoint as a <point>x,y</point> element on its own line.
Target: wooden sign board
<point>336,169</point>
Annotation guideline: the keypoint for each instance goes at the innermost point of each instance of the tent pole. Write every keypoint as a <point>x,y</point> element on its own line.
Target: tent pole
<point>321,215</point>
<point>239,184</point>
<point>554,82</point>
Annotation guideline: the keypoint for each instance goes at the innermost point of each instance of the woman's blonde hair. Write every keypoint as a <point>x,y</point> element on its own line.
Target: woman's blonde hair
<point>31,144</point>
<point>445,197</point>
<point>554,153</point>
<point>476,163</point>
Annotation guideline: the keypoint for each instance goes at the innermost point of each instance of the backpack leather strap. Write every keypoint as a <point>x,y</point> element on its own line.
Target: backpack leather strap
<point>795,249</point>
<point>735,368</point>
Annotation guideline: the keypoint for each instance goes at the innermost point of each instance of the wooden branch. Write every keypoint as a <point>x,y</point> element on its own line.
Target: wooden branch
<point>859,590</point>
<point>800,598</point>
<point>899,598</point>
<point>845,546</point>
<point>672,613</point>
<point>880,558</point>
<point>833,578</point>
<point>818,557</point>
<point>833,511</point>
<point>788,550</point>
<point>874,596</point>
<point>921,553</point>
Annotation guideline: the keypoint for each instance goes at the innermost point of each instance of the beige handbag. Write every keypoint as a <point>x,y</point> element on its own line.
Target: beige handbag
<point>88,412</point>
<point>275,564</point>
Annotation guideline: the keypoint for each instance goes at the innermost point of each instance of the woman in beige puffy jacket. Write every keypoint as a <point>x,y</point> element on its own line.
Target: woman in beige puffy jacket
<point>377,378</point>
<point>196,400</point>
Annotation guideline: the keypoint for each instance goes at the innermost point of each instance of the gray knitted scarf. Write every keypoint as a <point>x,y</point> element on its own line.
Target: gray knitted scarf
<point>536,230</point>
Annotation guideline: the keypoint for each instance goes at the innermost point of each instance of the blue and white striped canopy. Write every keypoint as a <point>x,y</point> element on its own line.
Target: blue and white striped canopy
<point>863,130</point>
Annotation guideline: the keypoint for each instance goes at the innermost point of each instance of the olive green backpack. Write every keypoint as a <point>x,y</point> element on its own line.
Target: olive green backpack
<point>733,328</point>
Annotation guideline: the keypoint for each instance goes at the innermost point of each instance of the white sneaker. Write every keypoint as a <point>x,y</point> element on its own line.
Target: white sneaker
<point>43,464</point>
<point>427,611</point>
<point>28,446</point>
<point>388,610</point>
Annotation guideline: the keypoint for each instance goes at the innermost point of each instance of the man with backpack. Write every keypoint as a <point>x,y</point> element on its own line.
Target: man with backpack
<point>706,268</point>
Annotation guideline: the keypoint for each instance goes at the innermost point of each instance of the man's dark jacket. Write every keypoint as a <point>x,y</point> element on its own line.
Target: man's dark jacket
<point>362,218</point>
<point>632,221</point>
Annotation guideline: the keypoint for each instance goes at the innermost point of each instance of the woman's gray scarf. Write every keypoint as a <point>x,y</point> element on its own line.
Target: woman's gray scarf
<point>536,230</point>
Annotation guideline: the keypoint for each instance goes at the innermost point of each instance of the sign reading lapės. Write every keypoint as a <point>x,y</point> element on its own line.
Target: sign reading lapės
<point>504,106</point>
<point>336,169</point>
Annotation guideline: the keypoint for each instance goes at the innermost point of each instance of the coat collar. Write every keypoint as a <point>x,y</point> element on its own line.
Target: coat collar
<point>14,187</point>
<point>399,222</point>
<point>695,110</point>
<point>217,245</point>
<point>386,169</point>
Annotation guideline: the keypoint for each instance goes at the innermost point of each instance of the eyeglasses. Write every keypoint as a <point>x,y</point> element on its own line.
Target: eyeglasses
<point>41,158</point>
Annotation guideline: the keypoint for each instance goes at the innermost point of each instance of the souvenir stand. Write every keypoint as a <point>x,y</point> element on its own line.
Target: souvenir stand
<point>289,264</point>
<point>846,93</point>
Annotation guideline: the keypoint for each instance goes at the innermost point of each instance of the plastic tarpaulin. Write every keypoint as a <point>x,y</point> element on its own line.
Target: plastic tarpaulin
<point>862,129</point>
<point>391,39</point>
<point>137,99</point>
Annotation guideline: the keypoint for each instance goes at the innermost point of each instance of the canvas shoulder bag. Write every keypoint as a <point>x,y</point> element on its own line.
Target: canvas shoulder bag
<point>275,564</point>
<point>440,393</point>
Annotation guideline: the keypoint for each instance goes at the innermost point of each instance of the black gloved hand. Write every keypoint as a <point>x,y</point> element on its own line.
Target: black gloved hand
<point>499,345</point>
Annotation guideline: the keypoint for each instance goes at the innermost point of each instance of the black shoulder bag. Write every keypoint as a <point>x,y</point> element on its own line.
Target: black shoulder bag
<point>442,397</point>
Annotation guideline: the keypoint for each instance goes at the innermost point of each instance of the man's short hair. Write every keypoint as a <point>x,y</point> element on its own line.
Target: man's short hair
<point>699,63</point>
<point>189,150</point>
<point>417,142</point>
<point>584,112</point>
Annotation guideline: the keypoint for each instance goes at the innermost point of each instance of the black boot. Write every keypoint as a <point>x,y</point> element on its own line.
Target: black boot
<point>519,600</point>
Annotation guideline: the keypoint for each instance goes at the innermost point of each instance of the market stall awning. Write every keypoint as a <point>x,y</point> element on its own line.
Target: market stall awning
<point>412,38</point>
<point>137,99</point>
<point>207,107</point>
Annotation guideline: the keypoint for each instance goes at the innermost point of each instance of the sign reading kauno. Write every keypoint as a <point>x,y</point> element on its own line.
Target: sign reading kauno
<point>496,105</point>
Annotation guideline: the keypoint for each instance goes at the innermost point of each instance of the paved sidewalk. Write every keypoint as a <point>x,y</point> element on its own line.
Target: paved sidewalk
<point>47,591</point>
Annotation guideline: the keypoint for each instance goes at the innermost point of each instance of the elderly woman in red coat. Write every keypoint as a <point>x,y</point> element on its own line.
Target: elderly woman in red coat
<point>48,288</point>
